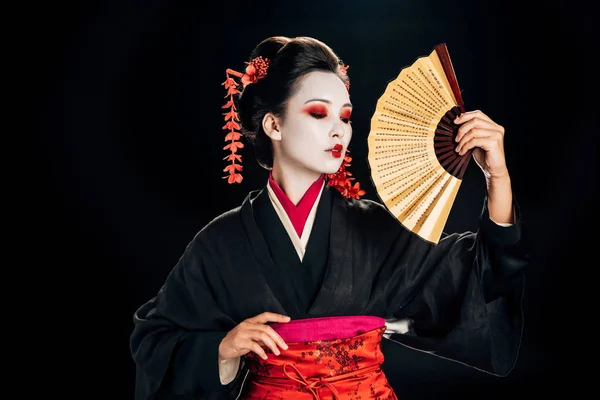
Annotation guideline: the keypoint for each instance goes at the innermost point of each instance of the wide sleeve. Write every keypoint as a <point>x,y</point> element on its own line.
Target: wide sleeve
<point>466,304</point>
<point>177,333</point>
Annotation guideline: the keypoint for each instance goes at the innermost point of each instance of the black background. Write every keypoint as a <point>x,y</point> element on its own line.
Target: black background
<point>130,116</point>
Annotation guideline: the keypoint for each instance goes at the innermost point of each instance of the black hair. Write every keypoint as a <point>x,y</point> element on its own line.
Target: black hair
<point>289,60</point>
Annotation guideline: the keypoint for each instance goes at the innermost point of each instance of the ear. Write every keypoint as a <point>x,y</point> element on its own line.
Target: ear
<point>270,124</point>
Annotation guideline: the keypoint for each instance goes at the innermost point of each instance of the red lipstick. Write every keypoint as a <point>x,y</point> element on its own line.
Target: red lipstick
<point>337,150</point>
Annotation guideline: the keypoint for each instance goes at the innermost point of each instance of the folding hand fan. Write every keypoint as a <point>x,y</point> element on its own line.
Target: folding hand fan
<point>414,166</point>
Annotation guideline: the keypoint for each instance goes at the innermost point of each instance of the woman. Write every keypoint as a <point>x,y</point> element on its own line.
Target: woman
<point>290,294</point>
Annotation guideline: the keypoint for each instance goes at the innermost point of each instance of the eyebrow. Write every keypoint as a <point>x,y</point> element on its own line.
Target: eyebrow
<point>328,102</point>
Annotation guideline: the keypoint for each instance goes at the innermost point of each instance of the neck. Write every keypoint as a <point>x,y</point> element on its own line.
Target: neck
<point>293,182</point>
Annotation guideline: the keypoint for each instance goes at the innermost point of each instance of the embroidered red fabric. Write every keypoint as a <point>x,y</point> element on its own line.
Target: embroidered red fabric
<point>345,368</point>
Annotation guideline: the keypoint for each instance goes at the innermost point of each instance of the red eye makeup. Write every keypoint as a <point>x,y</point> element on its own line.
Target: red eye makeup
<point>316,110</point>
<point>346,112</point>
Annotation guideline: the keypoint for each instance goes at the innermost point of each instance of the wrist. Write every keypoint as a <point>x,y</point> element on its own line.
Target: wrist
<point>500,180</point>
<point>500,201</point>
<point>501,175</point>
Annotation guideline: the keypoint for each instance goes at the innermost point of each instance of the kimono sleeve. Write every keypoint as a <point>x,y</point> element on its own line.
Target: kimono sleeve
<point>176,335</point>
<point>467,307</point>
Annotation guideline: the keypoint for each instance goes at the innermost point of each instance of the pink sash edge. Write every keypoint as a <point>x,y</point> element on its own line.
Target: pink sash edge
<point>327,328</point>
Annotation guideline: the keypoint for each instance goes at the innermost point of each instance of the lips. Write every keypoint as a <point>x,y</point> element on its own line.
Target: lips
<point>336,151</point>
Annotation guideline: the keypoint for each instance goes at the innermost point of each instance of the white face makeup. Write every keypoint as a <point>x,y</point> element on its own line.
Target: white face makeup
<point>316,131</point>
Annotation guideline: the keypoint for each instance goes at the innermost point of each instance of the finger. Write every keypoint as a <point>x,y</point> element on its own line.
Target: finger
<point>276,337</point>
<point>473,133</point>
<point>251,345</point>
<point>469,115</point>
<point>486,143</point>
<point>265,339</point>
<point>272,335</point>
<point>476,123</point>
<point>268,317</point>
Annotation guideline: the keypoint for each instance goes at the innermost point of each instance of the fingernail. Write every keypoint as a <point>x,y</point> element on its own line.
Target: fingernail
<point>285,346</point>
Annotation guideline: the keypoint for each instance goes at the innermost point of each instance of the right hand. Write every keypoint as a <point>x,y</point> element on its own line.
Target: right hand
<point>252,333</point>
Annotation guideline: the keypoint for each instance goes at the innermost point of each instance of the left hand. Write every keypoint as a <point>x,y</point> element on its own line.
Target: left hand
<point>486,137</point>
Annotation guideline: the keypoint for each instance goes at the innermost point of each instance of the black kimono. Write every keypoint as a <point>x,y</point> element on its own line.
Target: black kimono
<point>463,294</point>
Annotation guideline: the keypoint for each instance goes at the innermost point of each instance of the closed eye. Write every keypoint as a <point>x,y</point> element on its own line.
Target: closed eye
<point>345,114</point>
<point>318,111</point>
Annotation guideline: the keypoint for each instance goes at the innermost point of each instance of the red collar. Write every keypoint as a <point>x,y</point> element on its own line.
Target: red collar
<point>298,214</point>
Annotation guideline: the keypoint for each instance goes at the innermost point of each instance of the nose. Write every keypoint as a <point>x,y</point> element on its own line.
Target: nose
<point>338,129</point>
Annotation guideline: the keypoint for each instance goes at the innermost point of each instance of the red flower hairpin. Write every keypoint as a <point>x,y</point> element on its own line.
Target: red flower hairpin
<point>255,70</point>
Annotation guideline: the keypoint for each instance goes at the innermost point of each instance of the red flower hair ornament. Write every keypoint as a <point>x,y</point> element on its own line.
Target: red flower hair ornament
<point>257,69</point>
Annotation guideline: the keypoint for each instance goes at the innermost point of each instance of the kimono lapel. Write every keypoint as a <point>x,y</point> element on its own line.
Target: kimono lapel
<point>302,279</point>
<point>316,257</point>
<point>327,240</point>
<point>338,282</point>
<point>276,278</point>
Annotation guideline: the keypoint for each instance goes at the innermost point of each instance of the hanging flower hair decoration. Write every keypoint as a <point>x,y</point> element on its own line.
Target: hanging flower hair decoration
<point>255,70</point>
<point>342,180</point>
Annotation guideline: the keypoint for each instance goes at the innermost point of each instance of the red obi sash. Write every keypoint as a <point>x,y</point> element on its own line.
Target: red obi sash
<point>324,368</point>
